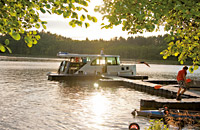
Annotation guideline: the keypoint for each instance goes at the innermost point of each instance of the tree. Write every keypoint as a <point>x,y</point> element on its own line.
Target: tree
<point>19,16</point>
<point>180,18</point>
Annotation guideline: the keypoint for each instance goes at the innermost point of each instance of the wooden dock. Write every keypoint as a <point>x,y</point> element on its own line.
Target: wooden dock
<point>190,99</point>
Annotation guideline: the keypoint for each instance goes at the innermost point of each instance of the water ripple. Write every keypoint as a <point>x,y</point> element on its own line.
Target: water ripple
<point>29,101</point>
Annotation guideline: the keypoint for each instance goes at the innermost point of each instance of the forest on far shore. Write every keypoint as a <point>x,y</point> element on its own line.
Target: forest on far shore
<point>49,45</point>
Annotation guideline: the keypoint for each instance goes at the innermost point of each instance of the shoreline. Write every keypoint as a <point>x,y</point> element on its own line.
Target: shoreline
<point>28,58</point>
<point>5,57</point>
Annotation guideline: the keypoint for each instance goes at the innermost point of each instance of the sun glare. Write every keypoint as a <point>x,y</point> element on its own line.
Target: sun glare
<point>99,104</point>
<point>99,107</point>
<point>96,85</point>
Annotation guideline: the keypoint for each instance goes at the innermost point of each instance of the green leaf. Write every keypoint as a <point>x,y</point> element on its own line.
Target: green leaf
<point>165,57</point>
<point>181,62</point>
<point>37,26</point>
<point>28,40</point>
<point>48,6</point>
<point>84,3</point>
<point>74,15</point>
<point>85,10</point>
<point>176,54</point>
<point>34,41</point>
<point>9,50</point>
<point>34,32</point>
<point>2,48</point>
<point>79,8</point>
<point>42,10</point>
<point>87,25</point>
<point>191,70</point>
<point>89,17</point>
<point>29,44</point>
<point>59,12</point>
<point>44,22</point>
<point>196,67</point>
<point>15,35</point>
<point>94,19</point>
<point>79,23</point>
<point>71,23</point>
<point>21,31</point>
<point>44,26</point>
<point>82,18</point>
<point>168,38</point>
<point>7,42</point>
<point>48,11</point>
<point>32,11</point>
<point>67,14</point>
<point>196,37</point>
<point>37,37</point>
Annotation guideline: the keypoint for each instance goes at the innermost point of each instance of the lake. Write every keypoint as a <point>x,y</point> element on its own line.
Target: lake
<point>30,101</point>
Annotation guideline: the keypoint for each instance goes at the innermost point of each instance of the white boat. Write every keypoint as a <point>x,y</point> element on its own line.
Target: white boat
<point>91,66</point>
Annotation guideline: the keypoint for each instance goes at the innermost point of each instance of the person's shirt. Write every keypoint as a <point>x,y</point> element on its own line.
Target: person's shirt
<point>181,74</point>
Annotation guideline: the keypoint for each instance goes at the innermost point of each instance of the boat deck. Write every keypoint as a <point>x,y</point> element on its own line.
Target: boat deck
<point>71,77</point>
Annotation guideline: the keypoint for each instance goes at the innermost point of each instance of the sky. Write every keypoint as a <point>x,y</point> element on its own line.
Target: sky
<point>57,24</point>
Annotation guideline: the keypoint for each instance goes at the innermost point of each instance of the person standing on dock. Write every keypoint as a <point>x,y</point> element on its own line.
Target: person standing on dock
<point>181,79</point>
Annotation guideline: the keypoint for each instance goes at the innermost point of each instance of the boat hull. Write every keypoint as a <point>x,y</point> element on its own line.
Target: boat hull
<point>151,114</point>
<point>172,113</point>
<point>71,77</point>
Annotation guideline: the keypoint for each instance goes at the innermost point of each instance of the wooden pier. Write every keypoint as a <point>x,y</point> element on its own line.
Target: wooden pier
<point>190,99</point>
<point>184,104</point>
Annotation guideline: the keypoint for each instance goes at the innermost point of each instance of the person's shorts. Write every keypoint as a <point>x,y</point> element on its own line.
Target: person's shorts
<point>182,84</point>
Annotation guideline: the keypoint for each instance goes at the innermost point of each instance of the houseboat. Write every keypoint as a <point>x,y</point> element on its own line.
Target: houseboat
<point>88,66</point>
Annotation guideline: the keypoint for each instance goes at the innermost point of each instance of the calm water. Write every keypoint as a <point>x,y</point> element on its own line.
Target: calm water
<point>29,101</point>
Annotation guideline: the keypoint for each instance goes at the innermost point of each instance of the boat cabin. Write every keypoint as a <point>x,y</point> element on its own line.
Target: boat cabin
<point>93,64</point>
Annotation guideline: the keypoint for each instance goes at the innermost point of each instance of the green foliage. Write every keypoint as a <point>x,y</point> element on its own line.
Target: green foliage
<point>3,47</point>
<point>18,16</point>
<point>192,68</point>
<point>50,44</point>
<point>179,17</point>
<point>157,125</point>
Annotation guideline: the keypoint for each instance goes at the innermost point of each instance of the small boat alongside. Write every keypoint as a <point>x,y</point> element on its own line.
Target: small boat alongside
<point>161,113</point>
<point>86,66</point>
<point>173,117</point>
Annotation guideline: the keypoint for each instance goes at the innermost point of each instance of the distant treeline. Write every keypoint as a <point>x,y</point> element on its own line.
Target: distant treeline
<point>131,48</point>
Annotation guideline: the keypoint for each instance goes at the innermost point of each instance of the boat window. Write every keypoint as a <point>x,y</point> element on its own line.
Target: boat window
<point>67,59</point>
<point>88,58</point>
<point>72,59</point>
<point>62,67</point>
<point>76,59</point>
<point>118,60</point>
<point>99,61</point>
<point>84,60</point>
<point>113,61</point>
